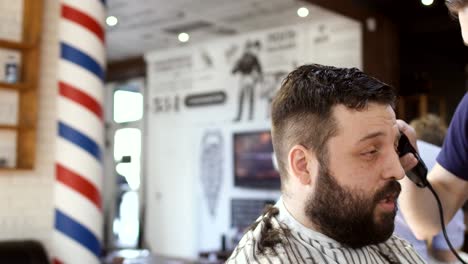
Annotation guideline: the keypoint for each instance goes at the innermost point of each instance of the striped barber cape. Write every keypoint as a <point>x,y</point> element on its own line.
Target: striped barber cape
<point>303,245</point>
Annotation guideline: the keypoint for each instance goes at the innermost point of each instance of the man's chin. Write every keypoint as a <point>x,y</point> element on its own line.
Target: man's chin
<point>385,227</point>
<point>380,235</point>
<point>385,213</point>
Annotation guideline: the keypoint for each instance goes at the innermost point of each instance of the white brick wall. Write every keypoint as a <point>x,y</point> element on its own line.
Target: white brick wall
<point>26,197</point>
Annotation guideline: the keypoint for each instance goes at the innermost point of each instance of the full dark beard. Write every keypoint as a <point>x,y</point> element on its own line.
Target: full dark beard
<point>347,216</point>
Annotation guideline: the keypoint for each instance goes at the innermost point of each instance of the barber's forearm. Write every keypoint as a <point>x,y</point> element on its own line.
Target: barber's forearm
<point>452,191</point>
<point>419,208</point>
<point>443,255</point>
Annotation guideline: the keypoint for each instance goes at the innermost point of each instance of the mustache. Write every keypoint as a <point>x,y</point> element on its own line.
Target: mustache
<point>392,188</point>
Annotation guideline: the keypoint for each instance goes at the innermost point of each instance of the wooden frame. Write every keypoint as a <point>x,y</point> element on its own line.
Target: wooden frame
<point>420,104</point>
<point>29,48</point>
<point>380,45</point>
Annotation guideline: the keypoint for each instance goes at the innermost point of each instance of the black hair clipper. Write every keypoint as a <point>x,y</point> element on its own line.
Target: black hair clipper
<point>417,174</point>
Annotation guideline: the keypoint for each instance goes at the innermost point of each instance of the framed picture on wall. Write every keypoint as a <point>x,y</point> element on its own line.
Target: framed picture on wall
<point>254,161</point>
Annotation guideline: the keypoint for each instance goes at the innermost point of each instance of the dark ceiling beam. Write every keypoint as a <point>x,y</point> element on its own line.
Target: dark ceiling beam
<point>435,24</point>
<point>380,46</point>
<point>351,8</point>
<point>126,69</point>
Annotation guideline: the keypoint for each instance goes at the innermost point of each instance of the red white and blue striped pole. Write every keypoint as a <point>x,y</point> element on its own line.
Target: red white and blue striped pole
<point>78,210</point>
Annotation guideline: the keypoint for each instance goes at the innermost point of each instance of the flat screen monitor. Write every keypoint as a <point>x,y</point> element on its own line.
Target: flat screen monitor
<point>253,161</point>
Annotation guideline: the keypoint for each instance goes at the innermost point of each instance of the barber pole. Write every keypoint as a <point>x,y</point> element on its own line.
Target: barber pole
<point>78,210</point>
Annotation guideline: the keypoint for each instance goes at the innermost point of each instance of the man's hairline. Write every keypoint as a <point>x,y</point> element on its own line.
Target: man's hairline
<point>335,121</point>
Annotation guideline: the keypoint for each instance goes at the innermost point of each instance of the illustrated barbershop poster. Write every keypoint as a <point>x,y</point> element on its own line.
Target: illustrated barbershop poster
<point>234,79</point>
<point>198,95</point>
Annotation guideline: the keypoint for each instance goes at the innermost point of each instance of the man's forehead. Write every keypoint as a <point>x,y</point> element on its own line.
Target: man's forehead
<point>374,118</point>
<point>371,112</point>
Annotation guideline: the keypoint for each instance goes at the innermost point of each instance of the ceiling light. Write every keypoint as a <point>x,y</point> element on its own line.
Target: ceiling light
<point>111,21</point>
<point>427,2</point>
<point>303,12</point>
<point>183,37</point>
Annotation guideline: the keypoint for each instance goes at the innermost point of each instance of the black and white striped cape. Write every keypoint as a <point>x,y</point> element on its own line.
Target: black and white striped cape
<point>304,245</point>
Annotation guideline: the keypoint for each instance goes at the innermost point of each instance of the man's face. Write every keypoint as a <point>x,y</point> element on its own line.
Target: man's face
<point>463,17</point>
<point>354,198</point>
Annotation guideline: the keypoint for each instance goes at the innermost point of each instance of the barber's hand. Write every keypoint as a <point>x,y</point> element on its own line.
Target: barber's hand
<point>408,161</point>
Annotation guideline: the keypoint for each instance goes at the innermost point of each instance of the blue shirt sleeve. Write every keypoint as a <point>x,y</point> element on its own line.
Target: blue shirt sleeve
<point>454,154</point>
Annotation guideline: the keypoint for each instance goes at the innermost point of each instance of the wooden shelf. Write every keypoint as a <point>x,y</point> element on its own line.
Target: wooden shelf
<point>26,144</point>
<point>20,86</point>
<point>6,44</point>
<point>3,127</point>
<point>29,48</point>
<point>15,169</point>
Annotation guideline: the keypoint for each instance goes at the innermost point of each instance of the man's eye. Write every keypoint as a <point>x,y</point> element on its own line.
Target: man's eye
<point>371,152</point>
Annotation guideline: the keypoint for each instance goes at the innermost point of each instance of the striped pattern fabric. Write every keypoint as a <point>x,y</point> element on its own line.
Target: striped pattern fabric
<point>304,245</point>
<point>78,210</point>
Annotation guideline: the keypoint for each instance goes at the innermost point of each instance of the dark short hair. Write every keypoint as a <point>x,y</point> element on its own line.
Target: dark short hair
<point>455,5</point>
<point>302,108</point>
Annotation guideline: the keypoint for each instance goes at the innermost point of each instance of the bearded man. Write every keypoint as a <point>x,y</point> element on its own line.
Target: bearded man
<point>335,136</point>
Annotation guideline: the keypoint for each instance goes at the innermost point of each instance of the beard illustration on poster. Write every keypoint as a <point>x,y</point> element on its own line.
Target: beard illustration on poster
<point>211,169</point>
<point>250,75</point>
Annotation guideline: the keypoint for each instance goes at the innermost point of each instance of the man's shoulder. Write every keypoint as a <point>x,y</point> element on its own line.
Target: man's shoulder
<point>402,249</point>
<point>245,250</point>
<point>249,251</point>
<point>396,241</point>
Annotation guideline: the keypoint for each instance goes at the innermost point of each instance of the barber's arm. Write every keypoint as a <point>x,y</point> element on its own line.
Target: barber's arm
<point>456,232</point>
<point>418,205</point>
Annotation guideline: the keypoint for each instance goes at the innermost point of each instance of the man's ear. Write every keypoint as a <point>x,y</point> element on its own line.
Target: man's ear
<point>303,164</point>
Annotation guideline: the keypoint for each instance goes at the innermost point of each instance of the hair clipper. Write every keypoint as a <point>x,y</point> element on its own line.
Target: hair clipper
<point>417,174</point>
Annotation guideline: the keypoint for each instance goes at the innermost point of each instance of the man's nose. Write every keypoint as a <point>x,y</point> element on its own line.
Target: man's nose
<point>392,167</point>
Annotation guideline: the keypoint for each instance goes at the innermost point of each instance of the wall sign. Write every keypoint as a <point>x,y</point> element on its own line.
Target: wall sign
<point>205,99</point>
